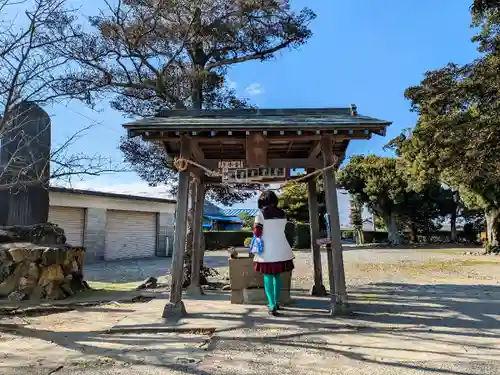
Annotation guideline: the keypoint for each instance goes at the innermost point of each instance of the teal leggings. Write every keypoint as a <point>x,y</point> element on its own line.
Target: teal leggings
<point>272,287</point>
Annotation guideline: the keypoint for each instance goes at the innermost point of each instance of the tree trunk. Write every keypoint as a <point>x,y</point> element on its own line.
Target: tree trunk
<point>453,218</point>
<point>493,229</point>
<point>391,223</point>
<point>413,233</point>
<point>453,226</point>
<point>360,237</point>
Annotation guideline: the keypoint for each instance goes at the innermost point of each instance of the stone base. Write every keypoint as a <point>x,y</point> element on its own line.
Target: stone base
<point>340,309</point>
<point>318,291</point>
<point>194,290</point>
<point>242,276</point>
<point>174,311</point>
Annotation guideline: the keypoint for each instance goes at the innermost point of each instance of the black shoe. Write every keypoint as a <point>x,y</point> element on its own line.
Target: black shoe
<point>273,312</point>
<point>278,307</point>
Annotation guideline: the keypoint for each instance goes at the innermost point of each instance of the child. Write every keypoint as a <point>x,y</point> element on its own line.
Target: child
<point>276,255</point>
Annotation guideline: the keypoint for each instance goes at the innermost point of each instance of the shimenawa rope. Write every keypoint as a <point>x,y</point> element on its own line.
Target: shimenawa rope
<point>182,165</point>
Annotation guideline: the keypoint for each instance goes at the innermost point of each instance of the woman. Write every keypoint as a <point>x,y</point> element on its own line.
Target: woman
<point>277,256</point>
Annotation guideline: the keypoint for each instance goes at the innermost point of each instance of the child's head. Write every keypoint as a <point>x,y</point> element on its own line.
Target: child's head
<point>267,199</point>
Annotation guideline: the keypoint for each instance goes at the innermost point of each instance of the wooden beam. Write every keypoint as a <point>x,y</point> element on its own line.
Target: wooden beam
<point>198,154</point>
<point>167,150</point>
<point>318,288</point>
<point>339,304</point>
<point>175,308</point>
<point>242,139</point>
<point>315,150</point>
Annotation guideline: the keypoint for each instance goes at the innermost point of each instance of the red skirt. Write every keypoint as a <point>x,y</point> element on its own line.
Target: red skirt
<point>274,267</point>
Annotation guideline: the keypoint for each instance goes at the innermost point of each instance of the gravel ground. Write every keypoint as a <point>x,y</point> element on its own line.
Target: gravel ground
<point>443,288</point>
<point>362,266</point>
<point>444,319</point>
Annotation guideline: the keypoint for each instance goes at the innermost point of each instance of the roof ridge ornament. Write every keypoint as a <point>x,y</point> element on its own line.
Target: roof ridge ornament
<point>354,110</point>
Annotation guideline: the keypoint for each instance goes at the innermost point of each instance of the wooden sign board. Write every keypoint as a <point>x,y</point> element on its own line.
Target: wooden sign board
<point>256,148</point>
<point>247,175</point>
<point>231,164</point>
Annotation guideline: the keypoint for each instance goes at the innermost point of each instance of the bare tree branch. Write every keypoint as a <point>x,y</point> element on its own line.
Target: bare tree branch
<point>30,72</point>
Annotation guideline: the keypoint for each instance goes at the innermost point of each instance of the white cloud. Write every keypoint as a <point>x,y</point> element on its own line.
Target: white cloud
<point>254,89</point>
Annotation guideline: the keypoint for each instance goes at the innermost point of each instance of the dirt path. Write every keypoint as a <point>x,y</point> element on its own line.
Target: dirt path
<point>427,312</point>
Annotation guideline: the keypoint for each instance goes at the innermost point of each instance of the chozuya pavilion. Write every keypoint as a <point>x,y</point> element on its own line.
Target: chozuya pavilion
<point>256,145</point>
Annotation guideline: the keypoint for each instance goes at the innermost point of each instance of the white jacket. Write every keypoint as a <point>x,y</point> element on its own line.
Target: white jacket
<point>276,246</point>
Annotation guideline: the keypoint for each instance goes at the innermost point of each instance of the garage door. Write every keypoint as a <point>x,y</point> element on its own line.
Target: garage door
<point>72,220</point>
<point>130,234</point>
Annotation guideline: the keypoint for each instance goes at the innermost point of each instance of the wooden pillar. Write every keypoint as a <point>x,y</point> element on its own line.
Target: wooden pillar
<point>195,287</point>
<point>175,308</point>
<point>339,304</point>
<point>318,289</point>
<point>202,236</point>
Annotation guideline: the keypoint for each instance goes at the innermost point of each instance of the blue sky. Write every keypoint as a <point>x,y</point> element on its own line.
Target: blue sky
<point>364,52</point>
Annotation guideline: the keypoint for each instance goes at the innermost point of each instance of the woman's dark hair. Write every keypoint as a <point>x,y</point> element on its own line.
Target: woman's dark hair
<point>267,199</point>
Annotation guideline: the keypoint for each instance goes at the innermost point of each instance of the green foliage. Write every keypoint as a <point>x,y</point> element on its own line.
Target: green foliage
<point>246,220</point>
<point>469,232</point>
<point>374,181</point>
<point>480,8</point>
<point>456,139</point>
<point>384,186</point>
<point>422,209</point>
<point>302,236</point>
<point>355,214</point>
<point>379,223</point>
<point>152,56</point>
<point>293,200</point>
<point>247,241</point>
<point>356,218</point>
<point>377,183</point>
<point>347,235</point>
<point>290,232</point>
<point>215,240</point>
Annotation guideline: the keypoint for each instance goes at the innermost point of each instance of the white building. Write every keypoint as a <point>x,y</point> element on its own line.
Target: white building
<point>113,226</point>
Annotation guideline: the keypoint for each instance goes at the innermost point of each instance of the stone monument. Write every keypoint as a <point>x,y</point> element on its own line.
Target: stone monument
<point>25,165</point>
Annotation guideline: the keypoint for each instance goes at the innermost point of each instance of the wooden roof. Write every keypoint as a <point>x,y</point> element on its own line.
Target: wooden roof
<point>256,119</point>
<point>291,135</point>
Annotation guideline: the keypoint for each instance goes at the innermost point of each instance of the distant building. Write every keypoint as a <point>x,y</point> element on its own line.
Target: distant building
<point>217,218</point>
<point>120,226</point>
<point>113,226</point>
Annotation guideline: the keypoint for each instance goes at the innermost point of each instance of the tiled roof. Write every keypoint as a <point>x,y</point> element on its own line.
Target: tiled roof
<point>218,213</point>
<point>256,118</point>
<point>236,212</point>
<point>211,209</point>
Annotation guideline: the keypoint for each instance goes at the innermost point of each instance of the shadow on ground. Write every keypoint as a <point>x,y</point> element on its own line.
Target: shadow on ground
<point>404,326</point>
<point>137,270</point>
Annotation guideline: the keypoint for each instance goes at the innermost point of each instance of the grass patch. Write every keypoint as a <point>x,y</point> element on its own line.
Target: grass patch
<point>443,251</point>
<point>478,262</point>
<point>447,266</point>
<point>114,287</point>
